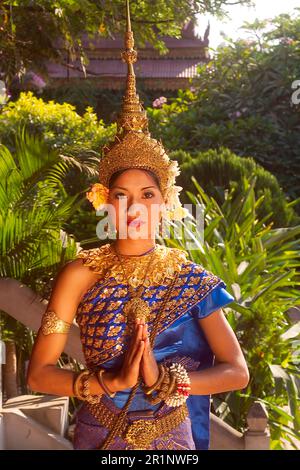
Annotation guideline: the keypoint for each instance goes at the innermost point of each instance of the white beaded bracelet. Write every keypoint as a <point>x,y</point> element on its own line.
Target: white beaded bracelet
<point>183,385</point>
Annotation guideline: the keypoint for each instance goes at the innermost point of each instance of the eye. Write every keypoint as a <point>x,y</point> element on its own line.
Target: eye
<point>148,194</point>
<point>120,196</point>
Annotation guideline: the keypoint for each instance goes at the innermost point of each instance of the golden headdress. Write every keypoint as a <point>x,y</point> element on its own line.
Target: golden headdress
<point>133,146</point>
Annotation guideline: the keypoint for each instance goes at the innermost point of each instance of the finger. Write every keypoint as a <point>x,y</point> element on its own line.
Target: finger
<point>146,336</point>
<point>140,351</point>
<point>136,330</point>
<point>140,331</point>
<point>147,349</point>
<point>132,346</point>
<point>139,354</point>
<point>145,333</point>
<point>133,336</point>
<point>136,343</point>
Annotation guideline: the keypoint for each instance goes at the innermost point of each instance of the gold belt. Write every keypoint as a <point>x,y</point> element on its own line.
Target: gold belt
<point>141,432</point>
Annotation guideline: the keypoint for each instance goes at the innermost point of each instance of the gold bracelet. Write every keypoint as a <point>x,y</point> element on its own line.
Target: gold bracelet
<point>161,392</point>
<point>51,323</point>
<point>166,389</point>
<point>93,399</point>
<point>78,384</point>
<point>156,385</point>
<point>81,387</point>
<point>99,374</point>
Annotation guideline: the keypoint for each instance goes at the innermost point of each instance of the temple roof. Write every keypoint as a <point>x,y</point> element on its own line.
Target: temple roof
<point>170,71</point>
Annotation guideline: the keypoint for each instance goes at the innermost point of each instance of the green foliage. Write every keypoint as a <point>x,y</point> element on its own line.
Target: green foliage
<point>22,46</point>
<point>105,102</point>
<point>242,101</point>
<point>86,93</point>
<point>61,128</point>
<point>77,138</point>
<point>34,207</point>
<point>59,124</point>
<point>216,170</point>
<point>260,266</point>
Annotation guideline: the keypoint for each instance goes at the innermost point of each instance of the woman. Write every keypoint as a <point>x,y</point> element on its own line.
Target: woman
<point>150,319</point>
<point>198,332</point>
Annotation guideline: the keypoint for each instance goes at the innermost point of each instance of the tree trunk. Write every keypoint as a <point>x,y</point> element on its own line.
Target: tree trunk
<point>10,370</point>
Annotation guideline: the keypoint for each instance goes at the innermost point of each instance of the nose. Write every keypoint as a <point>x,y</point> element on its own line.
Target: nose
<point>132,213</point>
<point>131,202</point>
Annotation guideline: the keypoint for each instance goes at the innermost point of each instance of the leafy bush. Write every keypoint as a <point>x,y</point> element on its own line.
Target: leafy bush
<point>105,102</point>
<point>260,266</point>
<point>216,170</point>
<point>59,124</point>
<point>64,131</point>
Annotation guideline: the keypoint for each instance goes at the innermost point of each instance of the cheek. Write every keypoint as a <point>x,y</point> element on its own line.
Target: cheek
<point>154,208</point>
<point>116,211</point>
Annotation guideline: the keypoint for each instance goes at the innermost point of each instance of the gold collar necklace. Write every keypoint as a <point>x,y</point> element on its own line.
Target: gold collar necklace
<point>136,307</point>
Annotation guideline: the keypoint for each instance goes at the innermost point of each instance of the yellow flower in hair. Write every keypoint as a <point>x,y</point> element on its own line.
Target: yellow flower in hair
<point>98,195</point>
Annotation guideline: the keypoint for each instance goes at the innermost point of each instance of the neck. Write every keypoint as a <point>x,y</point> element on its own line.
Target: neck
<point>133,247</point>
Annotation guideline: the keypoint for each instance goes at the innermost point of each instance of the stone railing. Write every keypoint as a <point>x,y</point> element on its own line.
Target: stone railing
<point>20,302</point>
<point>256,436</point>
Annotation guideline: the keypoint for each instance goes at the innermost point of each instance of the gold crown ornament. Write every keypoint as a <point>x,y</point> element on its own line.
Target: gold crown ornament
<point>133,146</point>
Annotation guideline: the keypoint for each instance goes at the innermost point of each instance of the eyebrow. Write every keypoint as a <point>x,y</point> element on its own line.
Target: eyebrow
<point>120,187</point>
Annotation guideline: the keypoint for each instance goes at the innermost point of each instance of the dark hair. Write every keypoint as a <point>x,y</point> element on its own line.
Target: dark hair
<point>119,172</point>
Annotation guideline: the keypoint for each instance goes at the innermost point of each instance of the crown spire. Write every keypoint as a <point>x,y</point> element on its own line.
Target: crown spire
<point>132,116</point>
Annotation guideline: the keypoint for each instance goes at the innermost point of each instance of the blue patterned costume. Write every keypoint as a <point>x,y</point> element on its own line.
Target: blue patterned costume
<point>104,337</point>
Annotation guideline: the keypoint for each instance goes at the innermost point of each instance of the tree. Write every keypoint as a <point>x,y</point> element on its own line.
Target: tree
<point>242,100</point>
<point>29,30</point>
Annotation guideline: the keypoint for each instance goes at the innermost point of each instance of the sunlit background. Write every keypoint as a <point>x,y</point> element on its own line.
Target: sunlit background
<point>239,14</point>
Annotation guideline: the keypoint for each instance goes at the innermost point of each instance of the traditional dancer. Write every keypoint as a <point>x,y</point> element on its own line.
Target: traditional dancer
<point>155,339</point>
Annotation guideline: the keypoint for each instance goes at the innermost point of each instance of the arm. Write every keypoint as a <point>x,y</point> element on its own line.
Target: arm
<point>43,374</point>
<point>231,372</point>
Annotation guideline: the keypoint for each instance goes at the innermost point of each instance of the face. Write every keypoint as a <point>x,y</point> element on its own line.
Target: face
<point>137,201</point>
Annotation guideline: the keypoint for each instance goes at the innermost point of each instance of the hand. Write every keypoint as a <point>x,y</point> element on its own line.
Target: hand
<point>149,367</point>
<point>128,375</point>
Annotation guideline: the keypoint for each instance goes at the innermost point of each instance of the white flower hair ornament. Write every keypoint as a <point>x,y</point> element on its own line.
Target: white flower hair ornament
<point>173,207</point>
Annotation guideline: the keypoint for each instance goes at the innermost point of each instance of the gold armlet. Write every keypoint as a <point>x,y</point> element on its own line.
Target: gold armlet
<point>51,323</point>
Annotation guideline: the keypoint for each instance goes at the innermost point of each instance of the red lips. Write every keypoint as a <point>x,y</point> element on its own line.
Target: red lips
<point>134,221</point>
<point>130,219</point>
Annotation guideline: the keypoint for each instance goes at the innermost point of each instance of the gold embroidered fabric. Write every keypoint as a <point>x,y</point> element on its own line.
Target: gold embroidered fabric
<point>51,323</point>
<point>104,331</point>
<point>140,433</point>
<point>104,261</point>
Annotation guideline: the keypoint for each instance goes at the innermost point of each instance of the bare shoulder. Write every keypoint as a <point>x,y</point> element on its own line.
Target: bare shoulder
<point>75,271</point>
<point>71,282</point>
